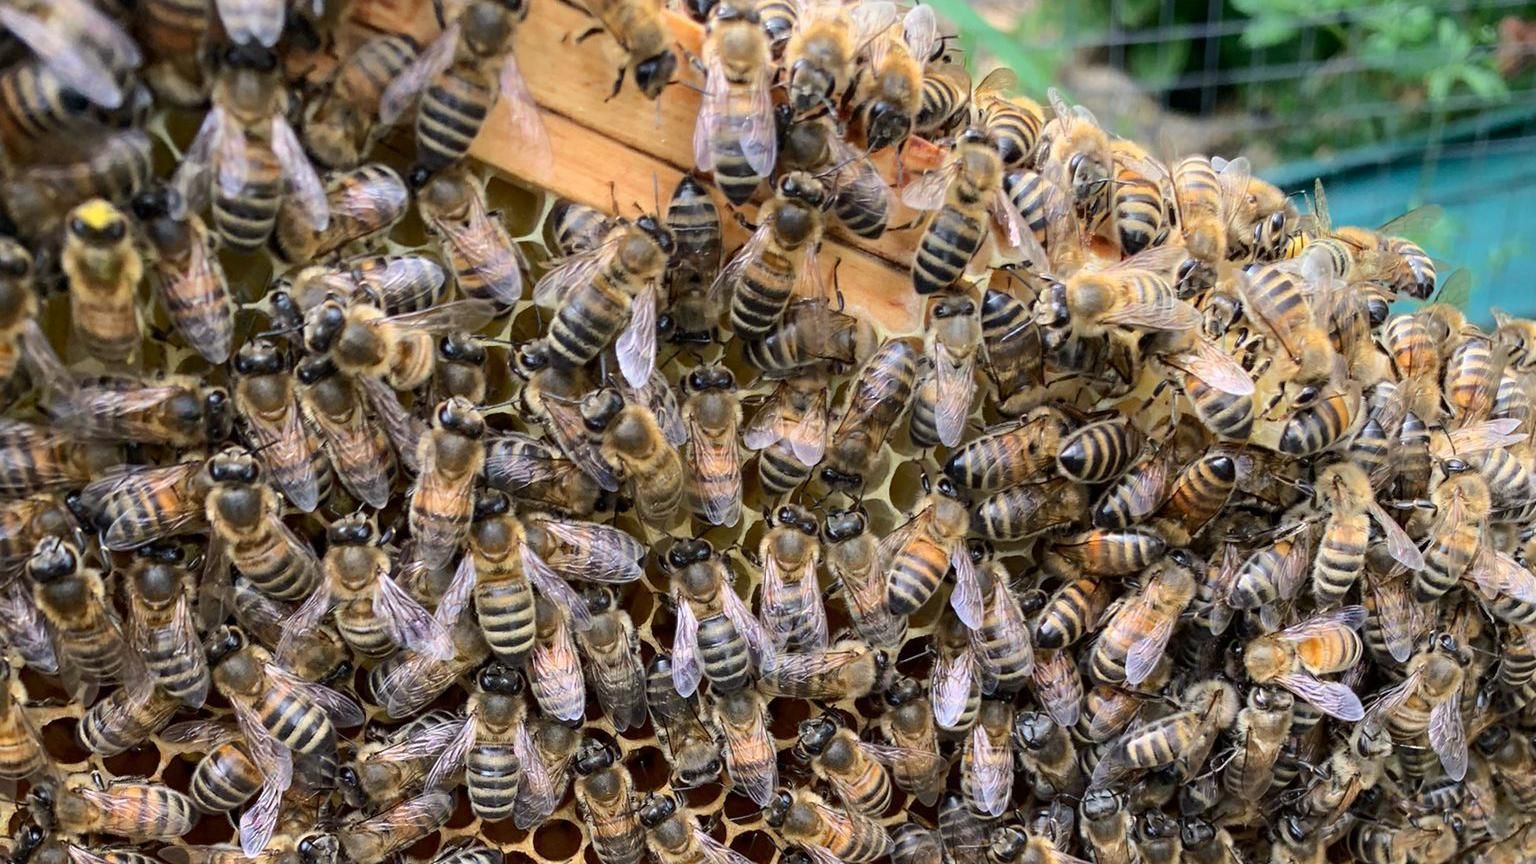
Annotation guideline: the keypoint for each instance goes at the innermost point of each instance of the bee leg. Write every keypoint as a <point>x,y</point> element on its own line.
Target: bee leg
<point>440,13</point>
<point>588,34</point>
<point>743,221</point>
<point>618,81</point>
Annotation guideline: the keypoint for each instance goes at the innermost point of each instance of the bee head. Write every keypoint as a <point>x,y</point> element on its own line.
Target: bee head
<point>886,124</point>
<point>496,678</point>
<point>259,357</point>
<point>97,222</point>
<point>1100,802</point>
<point>224,642</point>
<point>252,56</point>
<point>156,202</point>
<point>594,756</point>
<point>350,530</point>
<point>217,413</point>
<point>713,377</point>
<point>844,525</point>
<point>794,855</point>
<point>317,849</point>
<point>1196,831</point>
<point>458,415</point>
<point>656,809</point>
<point>1492,739</point>
<point>314,369</point>
<point>30,837</point>
<point>599,408</point>
<point>778,808</point>
<point>654,73</point>
<point>52,559</point>
<point>461,348</point>
<point>491,503</point>
<point>979,550</point>
<point>800,186</point>
<point>323,325</point>
<point>686,552</point>
<point>530,358</point>
<point>233,465</point>
<point>598,599</point>
<point>903,691</point>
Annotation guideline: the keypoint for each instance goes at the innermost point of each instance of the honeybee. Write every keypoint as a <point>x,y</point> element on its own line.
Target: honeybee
<point>1071,612</point>
<point>890,94</point>
<point>986,763</point>
<point>21,749</point>
<point>177,413</point>
<point>908,724</point>
<point>373,840</point>
<point>1320,645</point>
<point>955,682</point>
<point>385,772</point>
<point>73,600</point>
<point>103,268</point>
<point>690,745</point>
<point>1462,504</point>
<point>39,197</point>
<point>792,610</point>
<point>554,670</point>
<point>1012,845</point>
<point>1011,349</point>
<point>467,70</point>
<point>320,655</point>
<point>674,836</point>
<point>849,669</point>
<point>1076,145</point>
<point>605,795</point>
<point>1132,296</point>
<point>735,136</point>
<point>1429,701</point>
<point>694,221</point>
<point>613,660</point>
<point>1208,193</point>
<point>609,291</point>
<point>1048,754</point>
<point>1346,492</point>
<point>1010,456</point>
<point>860,199</point>
<point>1152,745</point>
<point>340,122</point>
<point>22,342</point>
<point>779,261</point>
<point>449,458</point>
<point>634,448</point>
<point>246,151</point>
<point>1133,641</point>
<point>358,449</point>
<point>40,460</point>
<point>1140,208</point>
<point>910,844</point>
<point>877,399</point>
<point>964,193</point>
<point>790,431</point>
<point>361,340</point>
<point>267,405</point>
<point>1195,496</point>
<point>362,204</point>
<point>226,777</point>
<point>642,35</point>
<point>190,278</point>
<point>160,624</point>
<point>943,400</point>
<point>1050,238</point>
<point>1261,728</point>
<point>1275,296</point>
<point>494,747</point>
<point>712,413</point>
<point>1106,826</point>
<point>487,264</point>
<point>917,555</point>
<point>396,284</point>
<point>851,552</point>
<point>819,57</point>
<point>1373,255</point>
<point>751,757</point>
<point>248,532</point>
<point>135,810</point>
<point>801,816</point>
<point>407,681</point>
<point>538,475</point>
<point>717,637</point>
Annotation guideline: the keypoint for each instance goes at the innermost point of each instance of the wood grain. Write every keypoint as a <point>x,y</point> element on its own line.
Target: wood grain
<point>620,150</point>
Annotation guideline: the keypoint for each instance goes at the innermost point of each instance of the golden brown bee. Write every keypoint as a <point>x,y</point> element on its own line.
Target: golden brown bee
<point>811,337</point>
<point>39,197</point>
<point>363,203</point>
<point>486,263</point>
<point>790,431</point>
<point>538,475</point>
<point>1428,701</point>
<point>860,198</point>
<point>779,260</point>
<point>819,57</point>
<point>641,32</point>
<point>160,624</point>
<point>174,35</point>
<point>848,670</point>
<point>494,747</point>
<point>1003,653</point>
<point>453,85</point>
<point>246,157</point>
<point>605,798</point>
<point>1071,612</point>
<point>267,405</point>
<point>943,400</point>
<point>341,121</point>
<point>1140,209</point>
<point>72,598</point>
<point>803,817</point>
<point>103,269</point>
<point>1462,504</point>
<point>39,460</point>
<point>735,136</point>
<point>127,717</point>
<point>908,724</point>
<point>249,533</point>
<point>890,92</point>
<point>1346,492</point>
<point>967,194</point>
<point>1133,296</point>
<point>373,840</point>
<point>851,552</point>
<point>1011,456</point>
<point>1262,726</point>
<point>134,810</point>
<point>635,448</point>
<point>1195,496</point>
<point>21,750</point>
<point>1321,645</point>
<point>226,777</point>
<point>717,638</point>
<point>554,669</point>
<point>712,414</point>
<point>674,836</point>
<point>986,761</point>
<point>919,553</point>
<point>22,342</point>
<point>751,758</point>
<point>1102,552</point>
<point>792,611</point>
<point>187,272</point>
<point>612,652</point>
<point>449,458</point>
<point>679,721</point>
<point>851,767</point>
<point>358,449</point>
<point>877,399</point>
<point>361,340</point>
<point>1517,336</point>
<point>1275,296</point>
<point>955,682</point>
<point>609,294</point>
<point>1209,193</point>
<point>694,221</point>
<point>1073,142</point>
<point>1012,352</point>
<point>385,772</point>
<point>180,412</point>
<point>1132,642</point>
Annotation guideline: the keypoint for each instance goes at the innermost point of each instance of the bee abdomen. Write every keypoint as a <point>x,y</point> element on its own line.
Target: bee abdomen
<point>1340,557</point>
<point>245,220</point>
<point>948,245</point>
<point>924,427</point>
<point>492,774</point>
<point>21,756</point>
<point>276,567</point>
<point>1445,560</point>
<point>762,294</point>
<point>914,577</point>
<point>224,779</point>
<point>861,220</point>
<point>734,175</point>
<point>361,629</point>
<point>506,613</point>
<point>779,470</point>
<point>179,674</point>
<point>452,110</point>
<point>587,322</point>
<point>727,663</point>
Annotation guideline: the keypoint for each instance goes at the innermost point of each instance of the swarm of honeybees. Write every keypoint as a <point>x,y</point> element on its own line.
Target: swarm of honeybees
<point>390,543</point>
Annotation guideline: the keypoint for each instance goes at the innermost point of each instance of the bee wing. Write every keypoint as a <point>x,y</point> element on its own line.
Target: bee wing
<point>754,781</point>
<point>81,855</point>
<point>1399,544</point>
<point>1058,687</point>
<point>202,275</point>
<point>76,66</point>
<point>1325,623</point>
<point>717,457</point>
<point>1329,697</point>
<point>1233,178</point>
<point>532,137</point>
<point>302,181</point>
<point>411,682</point>
<point>351,448</point>
<point>1496,573</point>
<point>457,315</point>
<point>401,93</point>
<point>1415,222</point>
<point>657,395</point>
<point>992,769</point>
<point>111,414</point>
<point>408,623</point>
<point>712,103</point>
<point>966,599</point>
<point>24,629</point>
<point>1168,313</point>
<point>820,854</point>
<point>1020,240</point>
<point>205,734</point>
<point>751,631</point>
<point>1398,616</point>
<point>342,710</point>
<point>569,273</point>
<point>999,81</point>
<point>482,241</point>
<point>451,757</point>
<point>715,852</point>
<point>306,618</point>
<point>261,21</point>
<point>950,685</point>
<point>1213,365</point>
<point>920,30</point>
<point>773,601</point>
<point>750,251</point>
<point>260,819</point>
<point>636,346</point>
<point>808,438</point>
<point>535,795</point>
<point>286,442</point>
<point>1143,656</point>
<point>1390,700</point>
<point>760,140</point>
<point>427,743</point>
<point>927,191</point>
<point>140,525</point>
<point>895,542</point>
<point>458,594</point>
<point>595,552</point>
<point>868,20</point>
<point>44,364</point>
<point>955,381</point>
<point>555,663</point>
<point>570,432</point>
<point>183,635</point>
<point>1478,438</point>
<point>554,589</point>
<point>857,178</point>
<point>918,761</point>
<point>687,666</point>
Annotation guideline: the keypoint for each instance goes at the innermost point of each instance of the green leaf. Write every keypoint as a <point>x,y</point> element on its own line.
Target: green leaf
<point>1438,84</point>
<point>1267,31</point>
<point>1484,82</point>
<point>1034,68</point>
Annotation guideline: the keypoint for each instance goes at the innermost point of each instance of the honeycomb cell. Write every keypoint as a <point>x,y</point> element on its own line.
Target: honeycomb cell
<point>557,840</point>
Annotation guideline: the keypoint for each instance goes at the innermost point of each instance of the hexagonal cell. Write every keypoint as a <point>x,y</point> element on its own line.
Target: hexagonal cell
<point>557,840</point>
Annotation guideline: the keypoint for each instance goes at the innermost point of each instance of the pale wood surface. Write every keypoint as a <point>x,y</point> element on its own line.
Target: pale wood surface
<point>609,150</point>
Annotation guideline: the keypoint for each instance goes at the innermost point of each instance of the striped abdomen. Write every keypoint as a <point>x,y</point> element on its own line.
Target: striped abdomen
<point>590,317</point>
<point>1198,189</point>
<point>204,317</point>
<point>764,289</point>
<point>506,611</point>
<point>296,722</point>
<point>1228,415</point>
<point>1318,426</point>
<point>34,105</point>
<point>924,425</point>
<point>362,629</point>
<point>275,561</point>
<point>224,779</point>
<point>1016,131</point>
<point>1340,556</point>
<point>180,674</point>
<point>492,773</point>
<point>947,246</point>
<point>727,664</point>
<point>21,755</point>
<point>452,109</point>
<point>1138,210</point>
<point>1470,375</point>
<point>244,220</point>
<point>914,574</point>
<point>734,175</point>
<point>1446,558</point>
<point>779,470</point>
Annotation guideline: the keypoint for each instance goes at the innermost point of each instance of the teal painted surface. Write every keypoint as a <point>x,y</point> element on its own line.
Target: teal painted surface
<point>1489,197</point>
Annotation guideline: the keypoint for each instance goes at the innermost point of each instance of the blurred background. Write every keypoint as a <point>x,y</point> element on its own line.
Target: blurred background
<point>1392,104</point>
